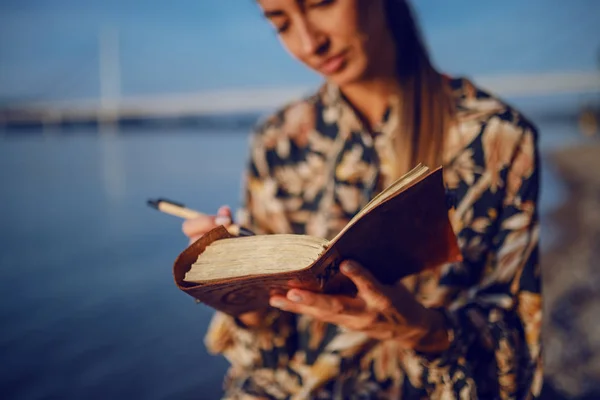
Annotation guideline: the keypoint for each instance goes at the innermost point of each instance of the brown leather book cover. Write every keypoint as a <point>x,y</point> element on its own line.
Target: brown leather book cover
<point>405,234</point>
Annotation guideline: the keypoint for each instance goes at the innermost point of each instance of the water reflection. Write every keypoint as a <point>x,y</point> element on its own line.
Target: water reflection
<point>114,175</point>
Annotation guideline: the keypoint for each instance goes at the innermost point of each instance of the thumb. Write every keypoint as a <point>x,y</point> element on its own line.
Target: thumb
<point>368,287</point>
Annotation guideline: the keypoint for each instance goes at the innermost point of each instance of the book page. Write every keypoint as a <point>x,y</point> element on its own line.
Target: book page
<point>255,255</point>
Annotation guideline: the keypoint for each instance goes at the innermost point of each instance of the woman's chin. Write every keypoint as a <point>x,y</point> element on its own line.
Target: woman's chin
<point>345,77</point>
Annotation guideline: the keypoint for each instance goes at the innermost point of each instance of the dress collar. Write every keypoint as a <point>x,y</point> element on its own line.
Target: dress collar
<point>337,109</point>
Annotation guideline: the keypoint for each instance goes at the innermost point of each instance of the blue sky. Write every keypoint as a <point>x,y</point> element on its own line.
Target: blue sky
<point>49,49</point>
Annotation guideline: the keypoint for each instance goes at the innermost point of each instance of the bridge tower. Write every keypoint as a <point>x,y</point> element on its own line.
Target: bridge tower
<point>110,78</point>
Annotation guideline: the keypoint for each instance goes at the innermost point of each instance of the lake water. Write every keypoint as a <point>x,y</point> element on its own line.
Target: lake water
<point>89,308</point>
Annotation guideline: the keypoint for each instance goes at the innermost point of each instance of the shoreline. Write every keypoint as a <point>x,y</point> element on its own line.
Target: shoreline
<point>571,280</point>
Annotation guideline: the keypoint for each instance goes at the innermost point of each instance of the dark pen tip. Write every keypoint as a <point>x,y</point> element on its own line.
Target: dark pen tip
<point>246,232</point>
<point>153,203</point>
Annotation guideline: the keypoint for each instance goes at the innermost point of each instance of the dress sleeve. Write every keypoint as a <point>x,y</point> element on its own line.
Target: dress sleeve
<point>271,344</point>
<point>495,349</point>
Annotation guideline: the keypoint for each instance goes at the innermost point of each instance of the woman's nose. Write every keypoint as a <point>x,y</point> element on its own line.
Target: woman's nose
<point>312,41</point>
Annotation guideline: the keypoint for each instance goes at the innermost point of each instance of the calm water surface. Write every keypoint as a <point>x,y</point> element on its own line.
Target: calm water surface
<point>89,308</point>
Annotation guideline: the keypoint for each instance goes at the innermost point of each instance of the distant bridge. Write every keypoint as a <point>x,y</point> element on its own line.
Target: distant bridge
<point>113,108</point>
<point>181,106</point>
<point>169,106</point>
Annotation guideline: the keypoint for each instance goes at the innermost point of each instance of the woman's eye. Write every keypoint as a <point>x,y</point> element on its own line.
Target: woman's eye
<point>282,28</point>
<point>319,3</point>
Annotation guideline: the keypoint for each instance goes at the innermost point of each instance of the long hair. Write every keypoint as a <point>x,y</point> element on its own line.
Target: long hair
<point>427,110</point>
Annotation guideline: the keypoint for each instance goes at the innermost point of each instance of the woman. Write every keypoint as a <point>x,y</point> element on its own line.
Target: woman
<point>466,330</point>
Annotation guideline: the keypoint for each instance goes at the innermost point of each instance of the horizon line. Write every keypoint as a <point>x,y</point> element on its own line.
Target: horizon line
<point>264,99</point>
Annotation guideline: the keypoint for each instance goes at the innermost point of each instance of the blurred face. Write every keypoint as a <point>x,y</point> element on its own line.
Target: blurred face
<point>343,40</point>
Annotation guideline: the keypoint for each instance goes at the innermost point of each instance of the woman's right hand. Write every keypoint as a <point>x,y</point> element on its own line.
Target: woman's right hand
<point>196,227</point>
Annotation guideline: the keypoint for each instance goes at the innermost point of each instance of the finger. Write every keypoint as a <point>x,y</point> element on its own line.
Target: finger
<point>224,211</point>
<point>332,304</point>
<point>223,216</point>
<point>368,287</point>
<point>346,316</point>
<point>317,304</point>
<point>198,226</point>
<point>360,276</point>
<point>285,304</point>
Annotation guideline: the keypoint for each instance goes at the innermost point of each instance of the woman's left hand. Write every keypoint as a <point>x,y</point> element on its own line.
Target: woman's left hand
<point>382,312</point>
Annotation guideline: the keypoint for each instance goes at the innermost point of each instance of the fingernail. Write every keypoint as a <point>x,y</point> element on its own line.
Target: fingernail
<point>295,297</point>
<point>224,210</point>
<point>222,220</point>
<point>348,266</point>
<point>277,303</point>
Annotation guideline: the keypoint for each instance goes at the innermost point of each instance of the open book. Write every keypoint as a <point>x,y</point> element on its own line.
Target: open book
<point>403,230</point>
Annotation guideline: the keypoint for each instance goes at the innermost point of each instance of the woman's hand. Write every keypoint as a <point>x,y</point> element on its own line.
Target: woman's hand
<point>382,312</point>
<point>196,227</point>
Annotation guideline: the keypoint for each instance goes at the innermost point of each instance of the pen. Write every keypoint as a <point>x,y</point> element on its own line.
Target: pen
<point>179,210</point>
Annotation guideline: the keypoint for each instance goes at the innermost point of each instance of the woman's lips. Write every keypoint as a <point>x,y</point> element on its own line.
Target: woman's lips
<point>333,64</point>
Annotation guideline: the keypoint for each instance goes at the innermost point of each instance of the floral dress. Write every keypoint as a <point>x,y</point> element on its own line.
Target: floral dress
<point>313,165</point>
